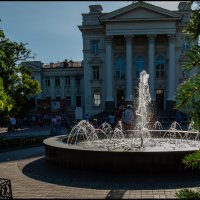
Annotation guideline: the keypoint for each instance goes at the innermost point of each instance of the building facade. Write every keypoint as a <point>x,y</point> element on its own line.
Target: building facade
<point>62,87</point>
<point>118,45</point>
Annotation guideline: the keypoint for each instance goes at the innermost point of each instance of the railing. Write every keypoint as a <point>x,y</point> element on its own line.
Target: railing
<point>5,189</point>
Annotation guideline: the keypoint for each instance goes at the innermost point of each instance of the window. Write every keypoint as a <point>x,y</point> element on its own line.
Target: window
<point>185,46</point>
<point>78,82</point>
<point>78,101</point>
<point>57,81</point>
<point>67,80</point>
<point>139,65</point>
<point>96,73</point>
<point>95,47</point>
<point>120,67</point>
<point>97,98</point>
<point>160,91</point>
<point>47,81</point>
<point>160,67</point>
<point>68,101</point>
<point>58,97</point>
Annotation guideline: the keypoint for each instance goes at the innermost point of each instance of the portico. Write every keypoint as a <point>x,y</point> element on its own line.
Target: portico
<point>151,68</point>
<point>137,37</point>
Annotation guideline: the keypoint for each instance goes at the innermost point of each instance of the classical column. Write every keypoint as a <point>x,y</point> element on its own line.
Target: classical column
<point>151,67</point>
<point>73,98</point>
<point>62,85</point>
<point>171,69</point>
<point>171,72</point>
<point>129,74</point>
<point>52,82</point>
<point>109,75</point>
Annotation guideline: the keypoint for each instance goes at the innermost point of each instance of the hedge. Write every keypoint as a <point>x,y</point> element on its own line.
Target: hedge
<point>20,142</point>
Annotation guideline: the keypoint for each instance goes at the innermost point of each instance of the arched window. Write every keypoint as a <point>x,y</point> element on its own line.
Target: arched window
<point>97,98</point>
<point>120,67</point>
<point>139,65</point>
<point>160,62</point>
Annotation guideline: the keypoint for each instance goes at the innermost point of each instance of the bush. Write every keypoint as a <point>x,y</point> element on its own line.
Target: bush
<point>20,142</point>
<point>188,194</point>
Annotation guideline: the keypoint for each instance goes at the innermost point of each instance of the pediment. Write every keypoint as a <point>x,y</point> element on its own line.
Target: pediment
<point>33,65</point>
<point>140,11</point>
<point>34,68</point>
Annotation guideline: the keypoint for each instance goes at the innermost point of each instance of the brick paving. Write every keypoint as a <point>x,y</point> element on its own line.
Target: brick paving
<point>33,177</point>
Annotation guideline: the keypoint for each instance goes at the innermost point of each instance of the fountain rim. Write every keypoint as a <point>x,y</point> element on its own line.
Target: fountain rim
<point>166,131</point>
<point>57,142</point>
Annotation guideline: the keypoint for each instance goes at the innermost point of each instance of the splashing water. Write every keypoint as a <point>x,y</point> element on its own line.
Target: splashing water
<point>139,139</point>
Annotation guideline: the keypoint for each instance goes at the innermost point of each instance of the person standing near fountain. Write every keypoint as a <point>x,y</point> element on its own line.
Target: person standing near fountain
<point>111,119</point>
<point>58,123</point>
<point>128,117</point>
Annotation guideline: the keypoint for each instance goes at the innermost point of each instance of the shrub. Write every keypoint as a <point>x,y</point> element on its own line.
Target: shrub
<point>20,142</point>
<point>188,194</point>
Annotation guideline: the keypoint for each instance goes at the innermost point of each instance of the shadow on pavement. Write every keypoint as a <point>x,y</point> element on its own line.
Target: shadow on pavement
<point>40,169</point>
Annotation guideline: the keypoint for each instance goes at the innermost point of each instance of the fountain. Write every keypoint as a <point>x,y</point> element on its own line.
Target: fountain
<point>141,149</point>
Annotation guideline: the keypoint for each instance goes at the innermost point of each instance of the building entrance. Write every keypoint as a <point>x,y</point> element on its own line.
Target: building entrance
<point>160,99</point>
<point>120,97</point>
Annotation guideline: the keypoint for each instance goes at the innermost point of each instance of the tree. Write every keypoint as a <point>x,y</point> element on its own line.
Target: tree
<point>188,93</point>
<point>16,85</point>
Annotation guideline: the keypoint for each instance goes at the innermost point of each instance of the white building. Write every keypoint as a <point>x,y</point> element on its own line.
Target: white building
<point>62,87</point>
<point>117,46</point>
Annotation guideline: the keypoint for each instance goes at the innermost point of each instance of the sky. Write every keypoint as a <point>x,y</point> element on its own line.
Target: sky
<point>50,28</point>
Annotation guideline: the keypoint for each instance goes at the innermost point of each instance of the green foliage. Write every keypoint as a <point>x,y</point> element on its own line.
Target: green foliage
<point>3,96</point>
<point>188,194</point>
<point>20,142</point>
<point>192,160</point>
<point>194,58</point>
<point>188,93</point>
<point>16,85</point>
<point>196,115</point>
<point>192,29</point>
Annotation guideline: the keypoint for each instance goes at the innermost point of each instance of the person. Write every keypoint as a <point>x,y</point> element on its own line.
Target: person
<point>41,122</point>
<point>19,123</point>
<point>58,123</point>
<point>111,119</point>
<point>67,123</point>
<point>33,120</point>
<point>128,117</point>
<point>12,123</point>
<point>178,116</point>
<point>95,123</point>
<point>87,117</point>
<point>53,125</point>
<point>119,113</point>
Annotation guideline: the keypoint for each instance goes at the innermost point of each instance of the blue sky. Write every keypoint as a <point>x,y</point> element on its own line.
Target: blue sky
<point>51,27</point>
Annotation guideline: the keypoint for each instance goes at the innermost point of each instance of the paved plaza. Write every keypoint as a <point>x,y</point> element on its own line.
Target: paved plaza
<point>33,177</point>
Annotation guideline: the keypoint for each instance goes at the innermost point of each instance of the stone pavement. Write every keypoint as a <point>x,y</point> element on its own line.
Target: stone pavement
<point>33,177</point>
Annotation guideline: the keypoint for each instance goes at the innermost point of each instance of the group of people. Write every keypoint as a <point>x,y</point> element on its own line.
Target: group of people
<point>125,115</point>
<point>15,123</point>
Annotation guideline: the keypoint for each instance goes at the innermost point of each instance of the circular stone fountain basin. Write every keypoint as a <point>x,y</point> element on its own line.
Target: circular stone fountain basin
<point>102,159</point>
